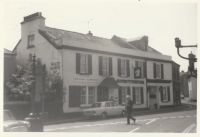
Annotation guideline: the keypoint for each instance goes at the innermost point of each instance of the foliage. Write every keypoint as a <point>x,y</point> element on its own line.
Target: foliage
<point>22,81</point>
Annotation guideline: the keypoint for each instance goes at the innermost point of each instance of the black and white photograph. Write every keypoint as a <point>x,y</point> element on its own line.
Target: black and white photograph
<point>99,66</point>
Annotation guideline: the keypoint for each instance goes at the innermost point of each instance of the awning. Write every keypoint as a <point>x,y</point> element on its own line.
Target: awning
<point>109,82</point>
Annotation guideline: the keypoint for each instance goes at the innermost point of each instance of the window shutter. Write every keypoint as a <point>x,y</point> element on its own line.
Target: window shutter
<point>144,69</point>
<point>89,64</point>
<point>168,93</point>
<point>119,67</point>
<point>142,97</point>
<point>78,63</point>
<point>128,91</point>
<point>161,93</point>
<point>134,97</point>
<point>162,72</point>
<point>127,68</point>
<point>74,96</point>
<point>110,66</point>
<point>154,70</point>
<point>100,65</point>
<point>120,95</point>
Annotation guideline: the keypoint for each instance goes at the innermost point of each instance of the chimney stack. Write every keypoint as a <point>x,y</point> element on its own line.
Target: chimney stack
<point>37,15</point>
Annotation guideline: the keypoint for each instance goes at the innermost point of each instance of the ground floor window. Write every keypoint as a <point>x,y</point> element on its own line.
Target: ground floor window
<point>165,93</point>
<point>91,95</point>
<point>81,95</point>
<point>138,97</point>
<point>123,91</point>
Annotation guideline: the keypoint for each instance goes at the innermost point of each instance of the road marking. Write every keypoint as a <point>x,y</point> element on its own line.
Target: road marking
<point>114,123</point>
<point>172,117</point>
<point>180,116</point>
<point>151,121</point>
<point>188,129</point>
<point>164,117</point>
<point>134,130</point>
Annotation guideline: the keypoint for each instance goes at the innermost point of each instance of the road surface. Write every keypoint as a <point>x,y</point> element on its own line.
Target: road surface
<point>174,122</point>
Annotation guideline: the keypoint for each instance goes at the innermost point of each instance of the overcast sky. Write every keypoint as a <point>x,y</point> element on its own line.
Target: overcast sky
<point>161,22</point>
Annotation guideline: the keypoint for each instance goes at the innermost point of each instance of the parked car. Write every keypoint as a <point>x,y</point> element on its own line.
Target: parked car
<point>10,123</point>
<point>104,109</point>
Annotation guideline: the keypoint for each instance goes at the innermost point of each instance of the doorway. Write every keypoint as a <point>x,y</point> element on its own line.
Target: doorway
<point>152,91</point>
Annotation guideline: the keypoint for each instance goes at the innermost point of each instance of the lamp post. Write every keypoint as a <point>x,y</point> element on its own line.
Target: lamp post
<point>34,116</point>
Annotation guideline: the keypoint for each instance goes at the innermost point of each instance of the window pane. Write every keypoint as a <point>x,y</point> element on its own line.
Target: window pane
<point>105,66</point>
<point>91,95</point>
<point>138,95</point>
<point>84,63</point>
<point>123,67</point>
<point>83,95</point>
<point>158,70</point>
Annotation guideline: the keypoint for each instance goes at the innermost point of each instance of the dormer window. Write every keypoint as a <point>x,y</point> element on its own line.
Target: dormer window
<point>31,41</point>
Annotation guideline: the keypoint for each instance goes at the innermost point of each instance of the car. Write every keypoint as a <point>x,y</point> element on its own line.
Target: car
<point>104,109</point>
<point>10,123</point>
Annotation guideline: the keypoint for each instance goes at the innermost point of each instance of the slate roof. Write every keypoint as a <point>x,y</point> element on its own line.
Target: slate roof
<point>60,38</point>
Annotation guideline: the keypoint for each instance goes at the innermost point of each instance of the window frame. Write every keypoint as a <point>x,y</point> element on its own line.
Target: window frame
<point>31,41</point>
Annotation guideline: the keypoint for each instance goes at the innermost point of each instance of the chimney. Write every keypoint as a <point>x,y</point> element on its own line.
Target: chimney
<point>31,24</point>
<point>32,17</point>
<point>90,33</point>
<point>145,39</point>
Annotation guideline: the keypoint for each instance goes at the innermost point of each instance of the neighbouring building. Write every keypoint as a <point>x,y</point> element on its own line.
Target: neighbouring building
<point>9,67</point>
<point>98,69</point>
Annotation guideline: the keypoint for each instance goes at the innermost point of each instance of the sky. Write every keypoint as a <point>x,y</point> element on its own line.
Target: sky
<point>161,22</point>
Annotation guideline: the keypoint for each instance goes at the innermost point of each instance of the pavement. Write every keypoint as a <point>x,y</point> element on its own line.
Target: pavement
<point>69,118</point>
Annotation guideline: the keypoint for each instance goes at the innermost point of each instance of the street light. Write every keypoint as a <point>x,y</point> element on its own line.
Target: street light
<point>191,57</point>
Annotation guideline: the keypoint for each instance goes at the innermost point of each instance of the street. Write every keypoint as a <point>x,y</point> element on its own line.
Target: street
<point>174,122</point>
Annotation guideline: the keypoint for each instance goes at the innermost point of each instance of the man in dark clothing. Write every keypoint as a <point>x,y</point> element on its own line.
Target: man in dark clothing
<point>129,106</point>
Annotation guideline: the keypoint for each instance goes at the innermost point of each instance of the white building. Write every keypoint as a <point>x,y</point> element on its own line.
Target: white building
<point>96,69</point>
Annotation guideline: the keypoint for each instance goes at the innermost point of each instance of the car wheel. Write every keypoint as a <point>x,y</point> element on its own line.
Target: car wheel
<point>104,115</point>
<point>123,114</point>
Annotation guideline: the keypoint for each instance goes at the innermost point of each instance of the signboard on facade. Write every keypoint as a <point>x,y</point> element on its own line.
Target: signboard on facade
<point>137,72</point>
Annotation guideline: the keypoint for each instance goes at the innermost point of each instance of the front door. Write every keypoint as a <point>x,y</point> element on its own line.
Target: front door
<point>152,90</point>
<point>102,94</point>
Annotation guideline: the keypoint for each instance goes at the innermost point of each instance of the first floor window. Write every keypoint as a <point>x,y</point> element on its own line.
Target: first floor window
<point>83,63</point>
<point>31,41</point>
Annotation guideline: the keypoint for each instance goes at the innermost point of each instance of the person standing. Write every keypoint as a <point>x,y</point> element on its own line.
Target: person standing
<point>129,107</point>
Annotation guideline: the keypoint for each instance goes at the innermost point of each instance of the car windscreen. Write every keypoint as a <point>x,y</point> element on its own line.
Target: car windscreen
<point>95,105</point>
<point>8,116</point>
